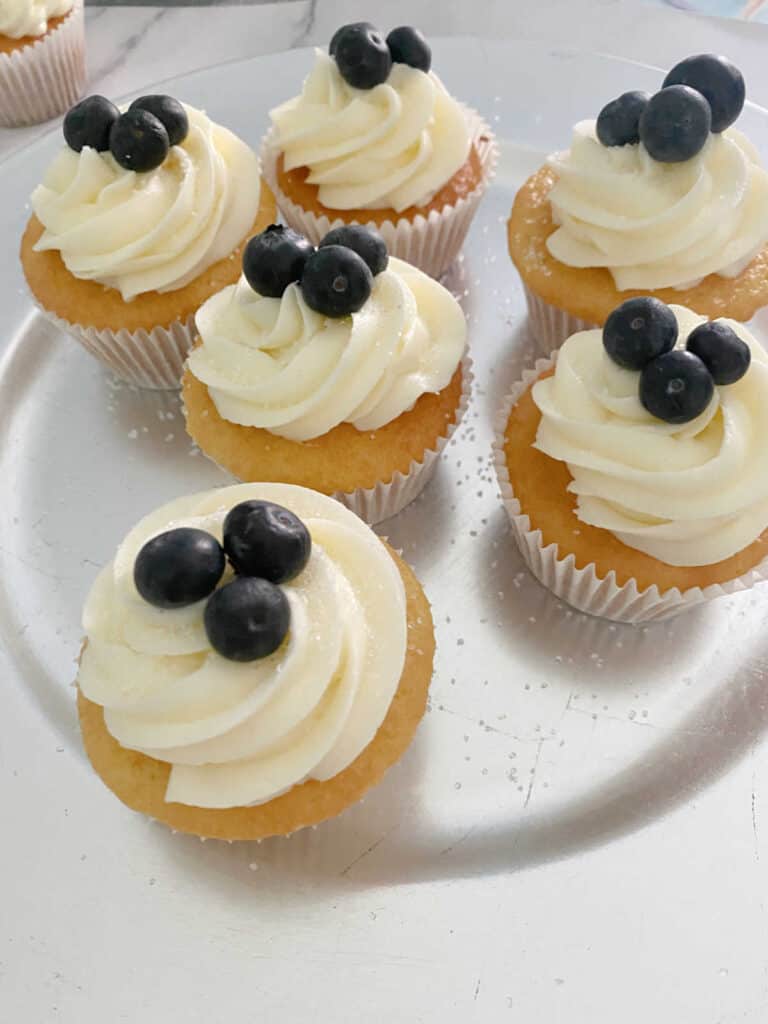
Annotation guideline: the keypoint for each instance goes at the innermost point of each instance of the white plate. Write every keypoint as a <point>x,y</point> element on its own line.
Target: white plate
<point>549,734</point>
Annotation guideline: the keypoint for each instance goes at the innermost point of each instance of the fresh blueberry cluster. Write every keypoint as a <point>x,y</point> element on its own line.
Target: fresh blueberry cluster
<point>335,278</point>
<point>365,58</point>
<point>249,617</point>
<point>139,139</point>
<point>676,385</point>
<point>701,94</point>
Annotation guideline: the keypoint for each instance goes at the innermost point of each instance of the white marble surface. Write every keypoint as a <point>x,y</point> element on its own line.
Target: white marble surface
<point>131,47</point>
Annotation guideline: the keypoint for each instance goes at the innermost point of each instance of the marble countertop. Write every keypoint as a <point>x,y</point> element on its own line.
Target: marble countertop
<point>132,47</point>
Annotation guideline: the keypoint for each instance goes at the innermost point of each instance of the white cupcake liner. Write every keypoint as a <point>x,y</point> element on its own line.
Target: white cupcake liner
<point>147,359</point>
<point>551,326</point>
<point>45,79</point>
<point>430,243</point>
<point>384,500</point>
<point>583,588</point>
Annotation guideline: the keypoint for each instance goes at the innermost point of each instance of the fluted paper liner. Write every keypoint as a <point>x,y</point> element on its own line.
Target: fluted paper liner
<point>549,325</point>
<point>430,243</point>
<point>44,79</point>
<point>147,359</point>
<point>374,504</point>
<point>583,588</point>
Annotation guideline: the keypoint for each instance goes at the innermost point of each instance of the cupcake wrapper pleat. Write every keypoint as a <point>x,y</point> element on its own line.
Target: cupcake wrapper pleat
<point>374,504</point>
<point>550,326</point>
<point>430,243</point>
<point>145,358</point>
<point>383,500</point>
<point>583,588</point>
<point>43,80</point>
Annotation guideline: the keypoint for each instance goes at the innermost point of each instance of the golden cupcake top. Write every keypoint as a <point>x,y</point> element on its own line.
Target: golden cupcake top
<point>373,123</point>
<point>20,18</point>
<point>148,198</point>
<point>252,637</point>
<point>314,337</point>
<point>661,419</point>
<point>662,190</point>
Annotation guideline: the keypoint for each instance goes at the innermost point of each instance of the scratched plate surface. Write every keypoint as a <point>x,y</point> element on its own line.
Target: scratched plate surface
<point>549,734</point>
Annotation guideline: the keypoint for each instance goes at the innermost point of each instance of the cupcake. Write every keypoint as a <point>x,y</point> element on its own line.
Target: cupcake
<point>633,465</point>
<point>337,368</point>
<point>42,59</point>
<point>140,218</point>
<point>255,659</point>
<point>660,196</point>
<point>374,138</point>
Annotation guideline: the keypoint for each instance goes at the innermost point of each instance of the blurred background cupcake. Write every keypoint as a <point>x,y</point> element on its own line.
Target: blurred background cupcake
<point>42,59</point>
<point>139,219</point>
<point>659,196</point>
<point>255,659</point>
<point>338,368</point>
<point>633,465</point>
<point>375,138</point>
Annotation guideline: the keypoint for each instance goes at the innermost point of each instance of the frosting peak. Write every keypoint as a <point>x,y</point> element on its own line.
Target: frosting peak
<point>19,18</point>
<point>692,494</point>
<point>392,146</point>
<point>155,231</point>
<point>278,365</point>
<point>658,225</point>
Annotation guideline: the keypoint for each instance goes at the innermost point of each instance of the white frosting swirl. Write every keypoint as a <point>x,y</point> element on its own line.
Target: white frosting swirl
<point>155,231</point>
<point>656,225</point>
<point>392,146</point>
<point>238,734</point>
<point>19,18</point>
<point>277,364</point>
<point>691,494</point>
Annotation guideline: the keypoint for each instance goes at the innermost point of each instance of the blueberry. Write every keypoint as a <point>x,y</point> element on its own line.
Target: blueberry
<point>247,619</point>
<point>618,123</point>
<point>178,567</point>
<point>675,124</point>
<point>362,55</point>
<point>266,540</point>
<point>366,242</point>
<point>89,123</point>
<point>274,259</point>
<point>336,281</point>
<point>721,350</point>
<point>361,26</point>
<point>139,141</point>
<point>408,46</point>
<point>719,82</point>
<point>170,112</point>
<point>676,387</point>
<point>639,330</point>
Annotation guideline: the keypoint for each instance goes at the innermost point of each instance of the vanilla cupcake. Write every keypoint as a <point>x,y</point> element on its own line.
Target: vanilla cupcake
<point>255,659</point>
<point>633,466</point>
<point>659,196</point>
<point>374,138</point>
<point>42,59</point>
<point>338,369</point>
<point>140,218</point>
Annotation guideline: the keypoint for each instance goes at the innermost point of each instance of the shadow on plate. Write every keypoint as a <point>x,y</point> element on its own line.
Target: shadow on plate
<point>318,857</point>
<point>420,540</point>
<point>383,842</point>
<point>530,617</point>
